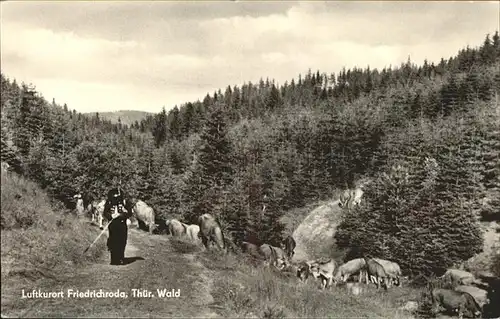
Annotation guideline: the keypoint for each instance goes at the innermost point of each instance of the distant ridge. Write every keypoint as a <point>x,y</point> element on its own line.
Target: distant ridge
<point>126,116</point>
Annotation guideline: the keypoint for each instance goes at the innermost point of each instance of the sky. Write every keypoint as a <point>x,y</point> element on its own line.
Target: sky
<point>104,56</point>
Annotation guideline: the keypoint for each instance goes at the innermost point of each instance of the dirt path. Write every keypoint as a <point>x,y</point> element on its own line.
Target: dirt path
<point>153,264</point>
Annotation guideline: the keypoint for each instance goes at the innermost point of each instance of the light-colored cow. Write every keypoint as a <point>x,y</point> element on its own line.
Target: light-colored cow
<point>5,167</point>
<point>143,213</point>
<point>98,212</point>
<point>354,266</point>
<point>192,232</point>
<point>376,271</point>
<point>458,277</point>
<point>323,269</point>
<point>176,228</point>
<point>392,269</point>
<point>211,232</point>
<point>80,210</point>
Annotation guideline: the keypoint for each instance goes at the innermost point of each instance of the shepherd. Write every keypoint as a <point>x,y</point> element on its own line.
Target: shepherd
<point>117,210</point>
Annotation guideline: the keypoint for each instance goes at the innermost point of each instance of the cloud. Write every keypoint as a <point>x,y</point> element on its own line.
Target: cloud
<point>105,55</point>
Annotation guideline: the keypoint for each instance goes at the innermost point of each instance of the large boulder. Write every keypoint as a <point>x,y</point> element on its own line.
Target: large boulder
<point>314,236</point>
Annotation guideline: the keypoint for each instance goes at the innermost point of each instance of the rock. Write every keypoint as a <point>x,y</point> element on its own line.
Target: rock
<point>410,306</point>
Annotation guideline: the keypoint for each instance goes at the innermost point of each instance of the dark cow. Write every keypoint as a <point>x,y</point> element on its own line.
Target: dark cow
<point>88,203</point>
<point>116,211</point>
<point>455,301</point>
<point>480,295</point>
<point>289,245</point>
<point>274,256</point>
<point>281,258</point>
<point>376,271</point>
<point>303,271</point>
<point>251,249</point>
<point>211,232</point>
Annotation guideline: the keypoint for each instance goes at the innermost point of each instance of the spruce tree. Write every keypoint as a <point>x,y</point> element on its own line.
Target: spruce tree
<point>160,128</point>
<point>211,170</point>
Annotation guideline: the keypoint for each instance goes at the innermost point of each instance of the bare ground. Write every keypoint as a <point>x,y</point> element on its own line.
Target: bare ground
<point>153,264</point>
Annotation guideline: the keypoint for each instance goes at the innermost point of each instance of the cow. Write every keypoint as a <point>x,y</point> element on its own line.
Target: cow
<point>323,269</point>
<point>345,197</point>
<point>350,268</point>
<point>5,167</point>
<point>192,231</point>
<point>458,277</point>
<point>350,198</point>
<point>176,228</point>
<point>281,258</point>
<point>143,213</point>
<point>392,269</point>
<point>89,208</point>
<point>289,245</point>
<point>251,249</point>
<point>455,301</point>
<point>98,212</point>
<point>274,255</point>
<point>480,295</point>
<point>211,232</point>
<point>80,210</point>
<point>303,271</point>
<point>376,271</point>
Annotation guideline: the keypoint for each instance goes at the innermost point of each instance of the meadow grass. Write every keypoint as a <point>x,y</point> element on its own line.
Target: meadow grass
<point>258,291</point>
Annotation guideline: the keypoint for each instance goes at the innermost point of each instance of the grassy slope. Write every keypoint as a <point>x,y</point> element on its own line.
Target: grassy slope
<point>242,290</point>
<point>50,242</point>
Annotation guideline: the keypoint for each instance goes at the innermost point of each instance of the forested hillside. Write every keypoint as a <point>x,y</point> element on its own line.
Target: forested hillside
<point>125,117</point>
<point>426,135</point>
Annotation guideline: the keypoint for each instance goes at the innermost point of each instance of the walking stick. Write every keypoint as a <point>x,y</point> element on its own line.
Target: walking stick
<point>95,240</point>
<point>105,227</point>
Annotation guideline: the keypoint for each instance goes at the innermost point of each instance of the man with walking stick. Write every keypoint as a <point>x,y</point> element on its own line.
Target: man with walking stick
<point>117,209</point>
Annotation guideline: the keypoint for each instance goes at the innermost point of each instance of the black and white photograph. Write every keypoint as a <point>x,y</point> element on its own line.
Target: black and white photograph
<point>250,159</point>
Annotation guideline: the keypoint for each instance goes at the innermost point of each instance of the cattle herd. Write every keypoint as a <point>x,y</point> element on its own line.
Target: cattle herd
<point>464,299</point>
<point>208,229</point>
